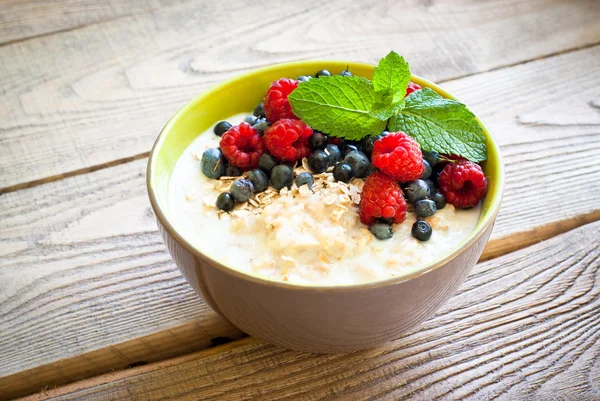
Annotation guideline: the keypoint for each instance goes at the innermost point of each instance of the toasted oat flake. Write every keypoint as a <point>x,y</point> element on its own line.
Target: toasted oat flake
<point>190,196</point>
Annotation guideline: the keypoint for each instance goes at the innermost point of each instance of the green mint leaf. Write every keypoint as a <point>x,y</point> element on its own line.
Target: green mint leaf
<point>391,75</point>
<point>338,106</point>
<point>383,111</point>
<point>441,125</point>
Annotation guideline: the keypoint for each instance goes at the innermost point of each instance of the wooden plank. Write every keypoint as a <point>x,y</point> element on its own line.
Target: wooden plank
<point>523,326</point>
<point>21,20</point>
<point>116,83</point>
<point>82,254</point>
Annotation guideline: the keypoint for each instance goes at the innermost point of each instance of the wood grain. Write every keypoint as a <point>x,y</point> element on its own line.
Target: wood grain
<point>105,90</point>
<point>82,254</point>
<point>524,326</point>
<point>26,19</point>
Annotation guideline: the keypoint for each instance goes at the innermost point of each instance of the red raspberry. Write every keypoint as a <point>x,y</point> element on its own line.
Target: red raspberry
<point>288,139</point>
<point>242,146</point>
<point>412,87</point>
<point>399,156</point>
<point>463,184</point>
<point>277,105</point>
<point>381,197</point>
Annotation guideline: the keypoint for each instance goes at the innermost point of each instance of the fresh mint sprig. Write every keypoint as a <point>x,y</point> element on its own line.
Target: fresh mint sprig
<point>354,107</point>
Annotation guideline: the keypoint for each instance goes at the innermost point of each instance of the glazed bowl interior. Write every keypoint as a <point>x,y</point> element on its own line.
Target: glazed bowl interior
<point>240,95</point>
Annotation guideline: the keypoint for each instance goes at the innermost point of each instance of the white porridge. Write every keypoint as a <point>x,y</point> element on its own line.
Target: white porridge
<point>299,236</point>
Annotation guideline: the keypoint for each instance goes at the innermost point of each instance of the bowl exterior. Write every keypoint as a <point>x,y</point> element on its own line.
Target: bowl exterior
<point>324,321</point>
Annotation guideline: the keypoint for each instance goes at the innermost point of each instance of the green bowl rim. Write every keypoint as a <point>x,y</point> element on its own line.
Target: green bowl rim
<point>166,224</point>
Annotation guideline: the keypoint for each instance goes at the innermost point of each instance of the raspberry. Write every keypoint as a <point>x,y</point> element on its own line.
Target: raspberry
<point>412,87</point>
<point>276,103</point>
<point>288,139</point>
<point>242,146</point>
<point>399,156</point>
<point>463,184</point>
<point>381,198</point>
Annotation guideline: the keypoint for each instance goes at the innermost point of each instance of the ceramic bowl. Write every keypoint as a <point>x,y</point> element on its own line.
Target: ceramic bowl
<point>315,319</point>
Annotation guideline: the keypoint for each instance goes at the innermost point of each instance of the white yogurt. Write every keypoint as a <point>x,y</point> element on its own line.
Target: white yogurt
<point>302,237</point>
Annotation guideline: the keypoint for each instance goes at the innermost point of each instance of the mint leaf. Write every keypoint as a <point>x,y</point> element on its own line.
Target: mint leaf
<point>339,106</point>
<point>441,125</point>
<point>391,76</point>
<point>384,111</point>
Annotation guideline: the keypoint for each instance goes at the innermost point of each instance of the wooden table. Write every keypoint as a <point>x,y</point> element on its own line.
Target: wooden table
<point>91,300</point>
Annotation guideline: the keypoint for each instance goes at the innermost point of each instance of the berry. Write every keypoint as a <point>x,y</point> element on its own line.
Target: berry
<point>342,172</point>
<point>242,146</point>
<point>276,104</point>
<point>261,125</point>
<point>346,73</point>
<point>426,170</point>
<point>399,156</point>
<point>381,197</point>
<point>318,161</point>
<point>367,144</point>
<point>340,142</point>
<point>241,190</point>
<point>231,171</point>
<point>267,162</point>
<point>385,221</point>
<point>350,148</point>
<point>439,199</point>
<point>288,139</point>
<point>431,157</point>
<point>359,163</point>
<point>259,110</point>
<point>259,180</point>
<point>317,141</point>
<point>323,73</point>
<point>381,231</point>
<point>225,201</point>
<point>304,78</point>
<point>437,170</point>
<point>333,154</point>
<point>221,127</point>
<point>412,87</point>
<point>371,169</point>
<point>251,120</point>
<point>425,208</point>
<point>416,190</point>
<point>431,185</point>
<point>305,178</point>
<point>421,230</point>
<point>384,133</point>
<point>463,184</point>
<point>282,176</point>
<point>213,164</point>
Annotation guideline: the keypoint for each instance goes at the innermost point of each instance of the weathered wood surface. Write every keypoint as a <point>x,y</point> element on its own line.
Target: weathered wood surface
<point>82,256</point>
<point>87,97</point>
<point>525,326</point>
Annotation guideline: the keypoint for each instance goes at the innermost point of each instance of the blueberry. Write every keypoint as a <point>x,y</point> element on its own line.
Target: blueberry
<point>232,171</point>
<point>359,163</point>
<point>371,169</point>
<point>386,220</point>
<point>333,154</point>
<point>431,157</point>
<point>318,161</point>
<point>346,73</point>
<point>416,190</point>
<point>342,172</point>
<point>225,201</point>
<point>421,230</point>
<point>367,144</point>
<point>282,176</point>
<point>381,231</point>
<point>431,185</point>
<point>426,170</point>
<point>384,133</point>
<point>266,162</point>
<point>221,128</point>
<point>259,110</point>
<point>317,141</point>
<point>304,78</point>
<point>251,120</point>
<point>261,125</point>
<point>436,171</point>
<point>350,148</point>
<point>425,208</point>
<point>305,178</point>
<point>439,199</point>
<point>241,190</point>
<point>323,73</point>
<point>213,163</point>
<point>259,180</point>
